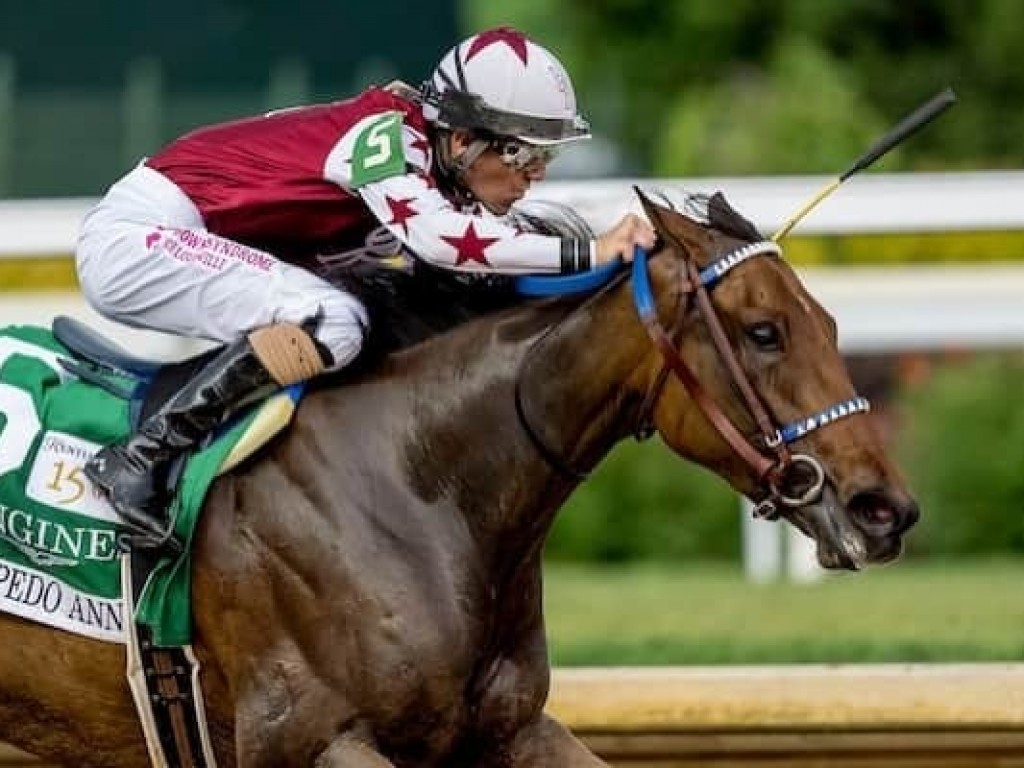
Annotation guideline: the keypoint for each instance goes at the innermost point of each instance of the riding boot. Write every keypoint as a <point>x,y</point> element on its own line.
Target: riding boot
<point>134,473</point>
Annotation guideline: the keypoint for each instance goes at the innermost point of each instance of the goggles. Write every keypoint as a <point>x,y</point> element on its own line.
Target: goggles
<point>521,155</point>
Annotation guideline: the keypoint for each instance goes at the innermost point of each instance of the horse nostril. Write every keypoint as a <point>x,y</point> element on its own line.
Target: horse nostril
<point>877,513</point>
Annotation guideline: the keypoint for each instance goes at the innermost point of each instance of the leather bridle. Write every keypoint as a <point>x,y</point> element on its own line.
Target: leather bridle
<point>770,460</point>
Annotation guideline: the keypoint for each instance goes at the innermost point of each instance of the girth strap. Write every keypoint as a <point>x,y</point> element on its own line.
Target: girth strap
<point>164,682</point>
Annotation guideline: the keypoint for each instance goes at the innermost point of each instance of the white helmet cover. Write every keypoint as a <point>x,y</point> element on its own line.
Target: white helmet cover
<point>501,82</point>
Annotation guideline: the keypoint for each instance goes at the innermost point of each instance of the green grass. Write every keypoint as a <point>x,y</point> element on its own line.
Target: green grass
<point>708,614</point>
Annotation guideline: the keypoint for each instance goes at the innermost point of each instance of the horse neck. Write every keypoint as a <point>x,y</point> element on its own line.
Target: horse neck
<point>466,445</point>
<point>577,380</point>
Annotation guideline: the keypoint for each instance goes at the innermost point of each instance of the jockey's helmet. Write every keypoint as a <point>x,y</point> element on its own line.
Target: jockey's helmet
<point>501,83</point>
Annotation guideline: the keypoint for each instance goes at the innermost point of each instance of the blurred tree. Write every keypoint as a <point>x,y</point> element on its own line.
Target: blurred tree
<point>963,448</point>
<point>788,118</point>
<point>645,503</point>
<point>657,76</point>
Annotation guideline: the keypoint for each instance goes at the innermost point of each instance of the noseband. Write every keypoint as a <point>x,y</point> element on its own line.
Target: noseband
<point>773,462</point>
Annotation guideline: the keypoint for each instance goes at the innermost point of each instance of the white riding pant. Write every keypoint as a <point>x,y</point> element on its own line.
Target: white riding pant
<point>145,259</point>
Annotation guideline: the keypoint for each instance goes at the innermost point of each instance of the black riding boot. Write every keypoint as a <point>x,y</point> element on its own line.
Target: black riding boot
<point>134,473</point>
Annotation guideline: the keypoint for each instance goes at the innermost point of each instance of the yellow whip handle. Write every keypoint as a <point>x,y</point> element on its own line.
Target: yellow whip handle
<point>911,123</point>
<point>798,216</point>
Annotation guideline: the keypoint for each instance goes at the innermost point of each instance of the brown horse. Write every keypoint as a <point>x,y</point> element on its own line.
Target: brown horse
<point>367,592</point>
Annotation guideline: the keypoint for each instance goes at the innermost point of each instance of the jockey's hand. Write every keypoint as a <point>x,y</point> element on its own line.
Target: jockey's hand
<point>618,242</point>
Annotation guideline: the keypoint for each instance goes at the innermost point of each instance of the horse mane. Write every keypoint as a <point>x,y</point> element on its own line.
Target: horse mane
<point>409,306</point>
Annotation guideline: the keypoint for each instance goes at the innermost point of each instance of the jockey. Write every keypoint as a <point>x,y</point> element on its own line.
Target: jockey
<point>226,233</point>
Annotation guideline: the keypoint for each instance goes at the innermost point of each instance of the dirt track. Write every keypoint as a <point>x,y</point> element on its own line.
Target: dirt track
<point>855,716</point>
<point>903,716</point>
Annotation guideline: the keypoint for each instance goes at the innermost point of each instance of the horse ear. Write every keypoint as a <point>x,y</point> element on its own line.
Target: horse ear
<point>673,227</point>
<point>654,211</point>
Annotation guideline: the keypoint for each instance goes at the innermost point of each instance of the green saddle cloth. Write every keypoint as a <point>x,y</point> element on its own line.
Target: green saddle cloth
<point>60,563</point>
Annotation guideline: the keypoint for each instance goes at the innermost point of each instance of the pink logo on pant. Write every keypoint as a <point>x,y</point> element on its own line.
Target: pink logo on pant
<point>207,250</point>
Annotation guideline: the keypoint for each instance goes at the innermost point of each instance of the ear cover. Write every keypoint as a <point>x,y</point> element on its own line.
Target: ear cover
<point>724,217</point>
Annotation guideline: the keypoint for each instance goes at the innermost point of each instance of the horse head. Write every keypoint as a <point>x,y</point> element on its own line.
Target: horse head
<point>761,394</point>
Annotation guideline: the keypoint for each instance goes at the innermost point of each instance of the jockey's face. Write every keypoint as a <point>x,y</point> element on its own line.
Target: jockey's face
<point>493,178</point>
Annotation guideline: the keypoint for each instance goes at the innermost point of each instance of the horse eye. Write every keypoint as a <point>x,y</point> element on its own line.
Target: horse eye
<point>766,336</point>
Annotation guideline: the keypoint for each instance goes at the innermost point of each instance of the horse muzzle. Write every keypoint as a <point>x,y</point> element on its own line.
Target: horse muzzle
<point>867,528</point>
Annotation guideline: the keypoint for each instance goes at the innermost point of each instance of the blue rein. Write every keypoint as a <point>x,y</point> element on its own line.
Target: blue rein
<point>565,285</point>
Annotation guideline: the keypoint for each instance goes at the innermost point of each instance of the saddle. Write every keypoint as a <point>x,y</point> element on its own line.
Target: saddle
<point>97,356</point>
<point>95,348</point>
<point>153,382</point>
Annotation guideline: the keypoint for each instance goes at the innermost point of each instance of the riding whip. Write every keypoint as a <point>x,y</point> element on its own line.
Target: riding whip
<point>910,124</point>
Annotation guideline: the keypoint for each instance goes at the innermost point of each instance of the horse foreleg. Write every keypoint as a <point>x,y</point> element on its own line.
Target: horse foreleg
<point>546,743</point>
<point>348,751</point>
<point>275,728</point>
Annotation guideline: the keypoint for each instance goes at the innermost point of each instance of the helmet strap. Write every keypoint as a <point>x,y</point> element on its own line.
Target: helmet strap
<point>451,170</point>
<point>463,162</point>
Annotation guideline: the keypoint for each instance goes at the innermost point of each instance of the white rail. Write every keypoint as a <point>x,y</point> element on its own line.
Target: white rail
<point>870,203</point>
<point>921,202</point>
